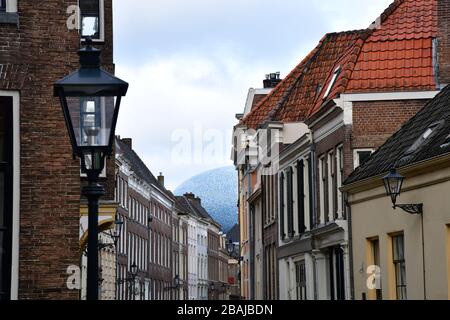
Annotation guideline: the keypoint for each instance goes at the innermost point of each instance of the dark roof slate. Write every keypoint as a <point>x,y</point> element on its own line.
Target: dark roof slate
<point>392,152</point>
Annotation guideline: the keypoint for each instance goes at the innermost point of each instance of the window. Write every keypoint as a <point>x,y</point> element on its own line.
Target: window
<point>91,19</point>
<point>2,5</point>
<point>431,130</point>
<point>360,156</point>
<point>301,195</point>
<point>398,252</point>
<point>282,230</point>
<point>374,260</point>
<point>339,179</point>
<point>322,184</point>
<point>336,73</point>
<point>290,203</point>
<point>336,273</point>
<point>300,280</point>
<point>331,186</point>
<point>6,186</point>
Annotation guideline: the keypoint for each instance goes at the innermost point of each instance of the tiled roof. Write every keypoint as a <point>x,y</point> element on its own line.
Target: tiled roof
<point>194,208</point>
<point>182,205</point>
<point>398,55</point>
<point>292,99</point>
<point>392,153</point>
<point>394,55</point>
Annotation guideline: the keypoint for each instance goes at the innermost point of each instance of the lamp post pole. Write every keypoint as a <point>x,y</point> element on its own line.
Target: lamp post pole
<point>90,99</point>
<point>93,191</point>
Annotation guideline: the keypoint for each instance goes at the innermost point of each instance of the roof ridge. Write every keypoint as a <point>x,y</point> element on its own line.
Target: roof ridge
<point>291,73</point>
<point>313,55</point>
<point>144,166</point>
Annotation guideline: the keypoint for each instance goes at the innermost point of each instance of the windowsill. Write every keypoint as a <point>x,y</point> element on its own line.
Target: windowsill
<point>96,41</point>
<point>9,18</point>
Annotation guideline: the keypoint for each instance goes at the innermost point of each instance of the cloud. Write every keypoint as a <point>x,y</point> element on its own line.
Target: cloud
<point>190,64</point>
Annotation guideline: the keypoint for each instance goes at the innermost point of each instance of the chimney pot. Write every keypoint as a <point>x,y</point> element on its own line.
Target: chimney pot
<point>161,179</point>
<point>128,142</point>
<point>272,80</point>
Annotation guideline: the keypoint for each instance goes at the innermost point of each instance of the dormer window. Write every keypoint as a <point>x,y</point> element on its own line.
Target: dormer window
<point>430,131</point>
<point>336,73</point>
<point>91,19</point>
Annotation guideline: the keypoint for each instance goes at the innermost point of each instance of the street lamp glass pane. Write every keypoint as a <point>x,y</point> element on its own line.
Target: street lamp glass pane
<point>91,119</point>
<point>89,27</point>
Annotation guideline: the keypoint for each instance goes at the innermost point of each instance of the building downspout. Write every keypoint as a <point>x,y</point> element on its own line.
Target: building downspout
<point>251,239</point>
<point>350,245</point>
<point>423,261</point>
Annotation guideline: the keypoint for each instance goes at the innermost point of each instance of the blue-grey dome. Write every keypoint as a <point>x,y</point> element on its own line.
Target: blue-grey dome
<point>218,190</point>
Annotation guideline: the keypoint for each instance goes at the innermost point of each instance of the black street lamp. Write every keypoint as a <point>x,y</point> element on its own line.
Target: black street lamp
<point>230,247</point>
<point>133,272</point>
<point>393,183</point>
<point>176,282</point>
<point>90,98</point>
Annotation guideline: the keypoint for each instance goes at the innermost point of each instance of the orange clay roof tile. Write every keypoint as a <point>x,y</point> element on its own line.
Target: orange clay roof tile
<point>396,55</point>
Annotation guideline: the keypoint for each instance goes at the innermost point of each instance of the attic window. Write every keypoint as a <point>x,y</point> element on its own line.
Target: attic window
<point>431,130</point>
<point>318,89</point>
<point>446,143</point>
<point>332,82</point>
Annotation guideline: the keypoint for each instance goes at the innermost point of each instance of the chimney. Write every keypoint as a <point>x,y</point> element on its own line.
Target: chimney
<point>192,197</point>
<point>272,80</point>
<point>161,179</point>
<point>443,42</point>
<point>128,142</point>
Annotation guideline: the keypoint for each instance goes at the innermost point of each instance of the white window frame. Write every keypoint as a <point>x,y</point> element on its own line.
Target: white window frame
<point>15,95</point>
<point>356,163</point>
<point>295,200</point>
<point>332,82</point>
<point>306,193</point>
<point>101,22</point>
<point>11,6</point>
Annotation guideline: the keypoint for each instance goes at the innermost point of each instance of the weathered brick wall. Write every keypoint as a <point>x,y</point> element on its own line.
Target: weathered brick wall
<point>33,55</point>
<point>444,41</point>
<point>374,122</point>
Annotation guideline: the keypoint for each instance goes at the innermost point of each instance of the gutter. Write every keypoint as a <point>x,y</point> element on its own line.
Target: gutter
<point>414,169</point>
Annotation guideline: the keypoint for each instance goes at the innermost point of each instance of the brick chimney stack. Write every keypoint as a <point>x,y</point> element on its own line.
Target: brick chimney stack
<point>161,179</point>
<point>272,80</point>
<point>443,50</point>
<point>128,142</point>
<point>192,197</point>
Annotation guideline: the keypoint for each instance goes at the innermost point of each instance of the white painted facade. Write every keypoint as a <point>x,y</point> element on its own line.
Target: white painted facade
<point>192,259</point>
<point>202,260</point>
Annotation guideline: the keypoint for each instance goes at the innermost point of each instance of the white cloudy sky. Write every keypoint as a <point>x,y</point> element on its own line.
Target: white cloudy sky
<point>190,64</point>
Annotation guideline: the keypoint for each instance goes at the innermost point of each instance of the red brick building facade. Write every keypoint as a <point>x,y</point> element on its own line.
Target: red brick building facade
<point>42,235</point>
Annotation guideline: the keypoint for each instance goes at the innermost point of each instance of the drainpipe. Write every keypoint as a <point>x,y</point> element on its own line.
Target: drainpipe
<point>423,261</point>
<point>350,245</point>
<point>251,238</point>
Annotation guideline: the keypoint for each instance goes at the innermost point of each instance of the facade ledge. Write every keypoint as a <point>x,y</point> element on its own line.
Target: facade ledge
<point>9,18</point>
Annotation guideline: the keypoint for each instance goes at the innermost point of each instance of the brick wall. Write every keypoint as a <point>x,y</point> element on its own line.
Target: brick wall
<point>33,55</point>
<point>444,40</point>
<point>374,122</point>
